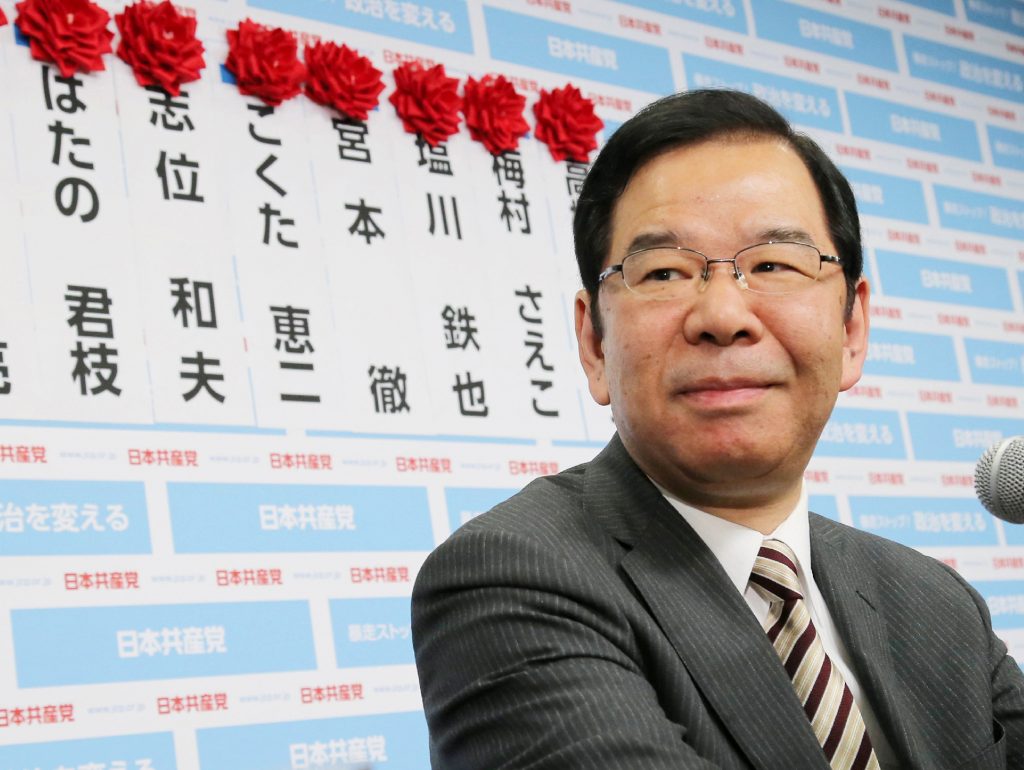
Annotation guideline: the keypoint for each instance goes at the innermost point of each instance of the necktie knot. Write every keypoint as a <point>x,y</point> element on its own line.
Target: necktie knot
<point>775,573</point>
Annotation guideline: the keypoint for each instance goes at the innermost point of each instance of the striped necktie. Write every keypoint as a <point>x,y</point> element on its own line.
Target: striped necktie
<point>826,699</point>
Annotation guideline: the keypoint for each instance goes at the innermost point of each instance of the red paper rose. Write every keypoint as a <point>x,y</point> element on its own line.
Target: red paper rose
<point>339,77</point>
<point>160,45</point>
<point>72,34</point>
<point>427,101</point>
<point>494,113</point>
<point>265,62</point>
<point>566,123</point>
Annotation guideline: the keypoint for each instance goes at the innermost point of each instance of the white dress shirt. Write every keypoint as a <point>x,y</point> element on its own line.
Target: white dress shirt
<point>736,547</point>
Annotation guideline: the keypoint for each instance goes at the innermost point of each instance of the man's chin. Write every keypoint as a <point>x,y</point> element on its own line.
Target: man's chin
<point>740,472</point>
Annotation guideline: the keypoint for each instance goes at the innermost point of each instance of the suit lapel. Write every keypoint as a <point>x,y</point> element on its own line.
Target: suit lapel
<point>706,620</point>
<point>844,576</point>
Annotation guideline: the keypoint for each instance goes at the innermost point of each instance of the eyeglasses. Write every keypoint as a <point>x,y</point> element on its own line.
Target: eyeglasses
<point>674,272</point>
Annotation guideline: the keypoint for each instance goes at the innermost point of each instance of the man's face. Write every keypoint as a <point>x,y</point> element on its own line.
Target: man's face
<point>721,398</point>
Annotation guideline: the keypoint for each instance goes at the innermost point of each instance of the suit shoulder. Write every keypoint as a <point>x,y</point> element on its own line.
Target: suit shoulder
<point>542,530</point>
<point>889,559</point>
<point>547,503</point>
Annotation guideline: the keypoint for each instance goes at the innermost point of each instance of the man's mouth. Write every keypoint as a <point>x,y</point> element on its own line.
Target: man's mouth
<point>725,392</point>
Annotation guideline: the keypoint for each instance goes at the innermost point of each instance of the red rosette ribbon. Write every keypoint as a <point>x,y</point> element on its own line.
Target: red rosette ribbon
<point>340,77</point>
<point>427,101</point>
<point>72,34</point>
<point>265,62</point>
<point>566,123</point>
<point>3,17</point>
<point>160,45</point>
<point>494,113</point>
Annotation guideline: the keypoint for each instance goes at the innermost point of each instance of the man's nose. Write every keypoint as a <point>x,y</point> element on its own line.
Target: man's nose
<point>721,311</point>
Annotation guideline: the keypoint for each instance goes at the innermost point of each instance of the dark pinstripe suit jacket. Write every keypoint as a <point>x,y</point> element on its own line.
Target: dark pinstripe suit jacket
<point>583,624</point>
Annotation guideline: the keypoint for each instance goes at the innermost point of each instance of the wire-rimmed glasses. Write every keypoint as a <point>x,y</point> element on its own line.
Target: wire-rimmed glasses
<point>673,272</point>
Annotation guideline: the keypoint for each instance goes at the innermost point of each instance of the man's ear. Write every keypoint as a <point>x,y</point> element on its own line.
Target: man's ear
<point>855,344</point>
<point>588,340</point>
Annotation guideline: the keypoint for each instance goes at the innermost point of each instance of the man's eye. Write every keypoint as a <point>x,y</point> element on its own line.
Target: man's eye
<point>664,274</point>
<point>770,267</point>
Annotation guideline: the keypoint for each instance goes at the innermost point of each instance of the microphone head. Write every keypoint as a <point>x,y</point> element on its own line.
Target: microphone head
<point>999,479</point>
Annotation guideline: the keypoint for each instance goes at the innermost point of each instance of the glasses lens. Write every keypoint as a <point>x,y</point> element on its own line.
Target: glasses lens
<point>663,273</point>
<point>779,267</point>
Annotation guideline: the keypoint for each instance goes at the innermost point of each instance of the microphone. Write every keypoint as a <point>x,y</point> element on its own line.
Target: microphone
<point>999,479</point>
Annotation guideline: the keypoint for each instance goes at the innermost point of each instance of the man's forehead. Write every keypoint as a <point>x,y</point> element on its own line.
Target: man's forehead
<point>741,140</point>
<point>666,173</point>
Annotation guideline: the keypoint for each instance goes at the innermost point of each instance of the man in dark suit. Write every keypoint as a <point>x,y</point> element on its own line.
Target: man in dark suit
<point>673,604</point>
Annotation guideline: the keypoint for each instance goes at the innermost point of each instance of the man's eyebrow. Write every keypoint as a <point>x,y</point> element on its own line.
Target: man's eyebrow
<point>784,234</point>
<point>653,239</point>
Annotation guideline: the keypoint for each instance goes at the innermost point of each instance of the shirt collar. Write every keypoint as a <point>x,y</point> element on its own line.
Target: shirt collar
<point>736,546</point>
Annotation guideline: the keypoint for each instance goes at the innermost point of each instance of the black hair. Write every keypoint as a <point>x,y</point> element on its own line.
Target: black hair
<point>689,118</point>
